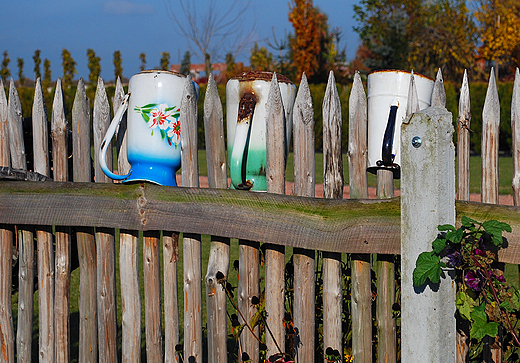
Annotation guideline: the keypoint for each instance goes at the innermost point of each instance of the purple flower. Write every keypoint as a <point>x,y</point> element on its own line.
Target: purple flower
<point>475,280</point>
<point>500,278</point>
<point>454,258</point>
<point>480,252</point>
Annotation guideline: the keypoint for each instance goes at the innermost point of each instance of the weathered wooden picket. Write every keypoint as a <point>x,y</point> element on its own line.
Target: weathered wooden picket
<point>45,212</point>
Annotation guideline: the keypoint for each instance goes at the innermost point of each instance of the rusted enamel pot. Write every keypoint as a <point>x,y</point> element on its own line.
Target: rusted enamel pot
<point>246,103</point>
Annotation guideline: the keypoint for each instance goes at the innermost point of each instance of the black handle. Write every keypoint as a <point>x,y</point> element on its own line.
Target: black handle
<point>388,139</point>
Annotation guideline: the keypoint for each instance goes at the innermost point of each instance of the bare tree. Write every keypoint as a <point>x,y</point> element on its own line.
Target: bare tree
<point>213,28</point>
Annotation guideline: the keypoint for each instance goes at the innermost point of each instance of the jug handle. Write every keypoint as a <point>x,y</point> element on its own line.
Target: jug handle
<point>106,141</point>
<point>239,154</point>
<point>388,139</point>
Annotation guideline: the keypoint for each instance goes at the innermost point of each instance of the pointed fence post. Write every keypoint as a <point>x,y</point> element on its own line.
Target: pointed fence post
<point>489,181</point>
<point>275,254</point>
<point>463,191</point>
<point>6,244</point>
<point>59,132</point>
<point>332,189</point>
<point>82,172</point>
<point>43,234</point>
<point>303,259</point>
<point>463,125</point>
<point>105,241</point>
<point>515,128</point>
<point>191,242</point>
<point>427,200</point>
<point>216,299</point>
<point>128,257</point>
<point>25,241</point>
<point>360,266</point>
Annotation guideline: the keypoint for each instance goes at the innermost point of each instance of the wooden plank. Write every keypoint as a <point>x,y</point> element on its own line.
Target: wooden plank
<point>463,192</point>
<point>216,299</point>
<point>59,131</point>
<point>385,270</point>
<point>332,189</point>
<point>6,316</point>
<point>129,259</point>
<point>303,259</point>
<point>275,254</point>
<point>248,287</point>
<point>105,243</point>
<point>171,300</point>
<point>346,226</point>
<point>428,175</point>
<point>5,158</point>
<point>515,127</point>
<point>490,131</point>
<point>191,242</point>
<point>361,300</point>
<point>15,122</point>
<point>152,296</point>
<point>489,181</point>
<point>412,103</point>
<point>43,234</point>
<point>438,93</point>
<point>6,246</point>
<point>463,126</point>
<point>88,348</point>
<point>121,136</point>
<point>25,234</point>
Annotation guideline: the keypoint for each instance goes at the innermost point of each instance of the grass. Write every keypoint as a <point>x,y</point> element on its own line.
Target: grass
<point>505,165</point>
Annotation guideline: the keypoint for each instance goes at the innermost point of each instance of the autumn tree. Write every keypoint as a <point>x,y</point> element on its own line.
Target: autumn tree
<point>4,71</point>
<point>118,65</point>
<point>142,58</point>
<point>307,22</point>
<point>499,23</point>
<point>47,74</point>
<point>165,61</point>
<point>94,67</point>
<point>416,34</point>
<point>261,59</point>
<point>37,62</point>
<point>69,68</point>
<point>21,76</point>
<point>386,30</point>
<point>447,40</point>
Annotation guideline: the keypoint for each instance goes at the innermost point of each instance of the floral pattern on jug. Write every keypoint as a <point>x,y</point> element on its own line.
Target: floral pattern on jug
<point>163,117</point>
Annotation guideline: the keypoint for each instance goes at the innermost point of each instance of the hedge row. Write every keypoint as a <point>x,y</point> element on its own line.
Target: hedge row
<point>477,95</point>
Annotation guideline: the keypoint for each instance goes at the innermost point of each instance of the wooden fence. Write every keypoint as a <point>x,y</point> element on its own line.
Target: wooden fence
<point>44,212</point>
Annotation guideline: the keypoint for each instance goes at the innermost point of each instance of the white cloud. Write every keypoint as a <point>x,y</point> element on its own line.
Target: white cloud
<point>123,7</point>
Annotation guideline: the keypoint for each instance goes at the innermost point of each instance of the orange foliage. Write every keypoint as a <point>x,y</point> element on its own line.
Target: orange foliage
<point>308,28</point>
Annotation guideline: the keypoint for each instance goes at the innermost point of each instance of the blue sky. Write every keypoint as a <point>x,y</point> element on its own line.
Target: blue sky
<point>134,27</point>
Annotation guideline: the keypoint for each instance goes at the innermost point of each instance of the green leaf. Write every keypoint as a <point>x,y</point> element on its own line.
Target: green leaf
<point>426,267</point>
<point>455,236</point>
<point>468,222</point>
<point>163,134</point>
<point>438,245</point>
<point>446,227</point>
<point>170,108</point>
<point>150,105</point>
<point>495,229</point>
<point>481,327</point>
<point>465,304</point>
<point>176,115</point>
<point>146,117</point>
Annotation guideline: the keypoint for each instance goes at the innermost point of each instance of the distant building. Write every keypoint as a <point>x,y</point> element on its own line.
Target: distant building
<point>198,71</point>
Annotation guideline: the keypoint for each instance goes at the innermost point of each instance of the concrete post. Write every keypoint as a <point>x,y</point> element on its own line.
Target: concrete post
<point>427,200</point>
